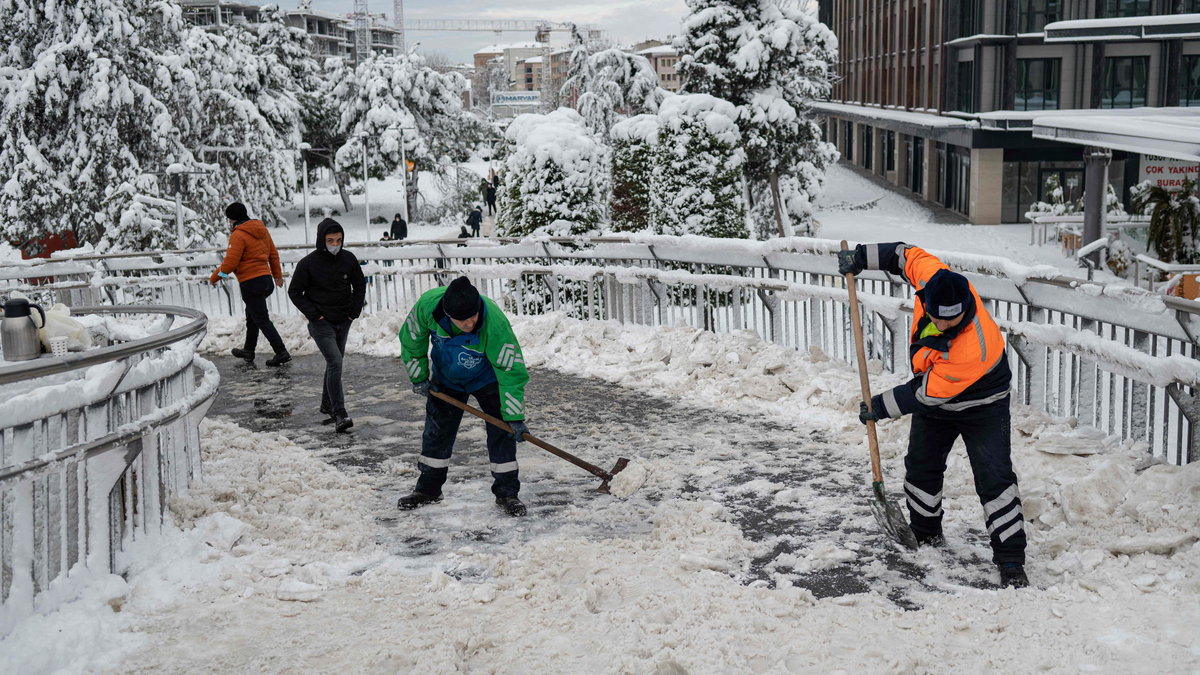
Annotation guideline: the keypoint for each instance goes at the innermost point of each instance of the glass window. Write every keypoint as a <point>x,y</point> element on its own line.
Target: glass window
<point>868,147</point>
<point>1191,7</point>
<point>1035,14</point>
<point>957,176</point>
<point>848,141</point>
<point>1128,8</point>
<point>1125,81</point>
<point>1037,84</point>
<point>970,14</point>
<point>1190,81</point>
<point>889,150</point>
<point>966,87</point>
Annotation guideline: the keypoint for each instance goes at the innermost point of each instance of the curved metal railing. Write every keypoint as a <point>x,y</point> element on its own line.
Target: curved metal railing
<point>93,446</point>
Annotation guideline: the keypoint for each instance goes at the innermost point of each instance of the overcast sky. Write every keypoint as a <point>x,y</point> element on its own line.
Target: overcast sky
<point>625,20</point>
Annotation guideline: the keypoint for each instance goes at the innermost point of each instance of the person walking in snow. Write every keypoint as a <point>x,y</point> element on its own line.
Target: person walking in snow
<point>483,189</point>
<point>399,229</point>
<point>474,220</point>
<point>491,200</point>
<point>251,258</point>
<point>328,288</point>
<point>474,353</point>
<point>960,388</point>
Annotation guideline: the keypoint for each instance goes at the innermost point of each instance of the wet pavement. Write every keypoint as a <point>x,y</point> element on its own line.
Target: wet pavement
<point>717,455</point>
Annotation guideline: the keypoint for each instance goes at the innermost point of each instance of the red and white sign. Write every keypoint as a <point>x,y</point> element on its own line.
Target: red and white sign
<point>1167,173</point>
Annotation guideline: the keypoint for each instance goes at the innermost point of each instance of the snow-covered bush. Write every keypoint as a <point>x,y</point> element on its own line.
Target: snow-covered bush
<point>555,170</point>
<point>699,185</point>
<point>635,166</point>
<point>770,59</point>
<point>1174,220</point>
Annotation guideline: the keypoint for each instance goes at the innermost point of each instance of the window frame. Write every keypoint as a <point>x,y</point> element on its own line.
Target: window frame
<point>1030,10</point>
<point>1023,67</point>
<point>1114,9</point>
<point>1189,83</point>
<point>1109,93</point>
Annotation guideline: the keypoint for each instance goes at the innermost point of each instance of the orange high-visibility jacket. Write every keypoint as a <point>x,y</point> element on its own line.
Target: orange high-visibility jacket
<point>963,368</point>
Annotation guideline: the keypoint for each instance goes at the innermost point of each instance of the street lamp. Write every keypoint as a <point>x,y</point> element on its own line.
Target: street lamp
<point>366,179</point>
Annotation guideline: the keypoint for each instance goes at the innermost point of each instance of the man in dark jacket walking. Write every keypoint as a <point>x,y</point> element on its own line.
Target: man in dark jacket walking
<point>491,200</point>
<point>399,228</point>
<point>328,288</point>
<point>474,220</point>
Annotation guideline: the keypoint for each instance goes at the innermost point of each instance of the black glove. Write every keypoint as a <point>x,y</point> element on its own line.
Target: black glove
<point>865,415</point>
<point>518,431</point>
<point>849,262</point>
<point>422,388</point>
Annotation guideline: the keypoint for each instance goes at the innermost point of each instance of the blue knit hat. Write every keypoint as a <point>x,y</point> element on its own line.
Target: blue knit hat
<point>946,295</point>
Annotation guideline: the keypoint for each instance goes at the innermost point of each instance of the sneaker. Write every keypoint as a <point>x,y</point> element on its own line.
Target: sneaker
<point>416,500</point>
<point>328,416</point>
<point>512,506</point>
<point>279,359</point>
<point>243,354</point>
<point>1012,575</point>
<point>342,423</point>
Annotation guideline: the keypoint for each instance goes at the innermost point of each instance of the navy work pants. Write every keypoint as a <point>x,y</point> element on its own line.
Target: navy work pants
<point>437,444</point>
<point>985,432</point>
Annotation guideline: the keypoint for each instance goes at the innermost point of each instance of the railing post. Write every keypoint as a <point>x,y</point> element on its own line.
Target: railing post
<point>770,302</point>
<point>1189,405</point>
<point>1085,394</point>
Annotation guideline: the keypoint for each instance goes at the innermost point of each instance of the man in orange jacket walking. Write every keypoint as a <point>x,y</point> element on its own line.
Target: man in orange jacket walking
<point>252,258</point>
<point>960,388</point>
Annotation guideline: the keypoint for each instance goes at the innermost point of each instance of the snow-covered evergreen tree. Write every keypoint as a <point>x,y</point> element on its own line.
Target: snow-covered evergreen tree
<point>94,95</point>
<point>699,185</point>
<point>770,58</point>
<point>555,170</point>
<point>635,166</point>
<point>611,85</point>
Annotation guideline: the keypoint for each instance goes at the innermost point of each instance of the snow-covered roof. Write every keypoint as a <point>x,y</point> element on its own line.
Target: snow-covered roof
<point>532,59</point>
<point>1168,134</point>
<point>915,118</point>
<point>662,50</point>
<point>317,14</point>
<point>497,49</point>
<point>1125,28</point>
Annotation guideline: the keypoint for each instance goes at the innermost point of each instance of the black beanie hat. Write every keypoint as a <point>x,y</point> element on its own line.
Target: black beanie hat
<point>461,300</point>
<point>237,212</point>
<point>946,295</point>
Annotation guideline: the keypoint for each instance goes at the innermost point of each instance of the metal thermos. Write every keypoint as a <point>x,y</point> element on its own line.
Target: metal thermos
<point>18,332</point>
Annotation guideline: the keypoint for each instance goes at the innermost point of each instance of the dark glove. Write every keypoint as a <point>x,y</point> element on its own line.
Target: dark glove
<point>865,415</point>
<point>518,431</point>
<point>849,262</point>
<point>422,388</point>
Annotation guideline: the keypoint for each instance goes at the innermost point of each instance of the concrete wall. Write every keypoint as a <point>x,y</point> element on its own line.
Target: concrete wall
<point>987,175</point>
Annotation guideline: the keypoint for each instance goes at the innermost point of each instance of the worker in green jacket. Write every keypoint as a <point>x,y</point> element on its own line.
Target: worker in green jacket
<point>474,353</point>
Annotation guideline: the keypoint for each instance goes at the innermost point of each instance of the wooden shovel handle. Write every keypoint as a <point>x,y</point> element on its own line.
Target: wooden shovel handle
<point>864,382</point>
<point>496,422</point>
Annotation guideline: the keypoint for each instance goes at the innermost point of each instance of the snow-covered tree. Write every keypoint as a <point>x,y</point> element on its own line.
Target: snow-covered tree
<point>94,96</point>
<point>635,165</point>
<point>771,59</point>
<point>322,119</point>
<point>699,185</point>
<point>610,85</point>
<point>555,170</point>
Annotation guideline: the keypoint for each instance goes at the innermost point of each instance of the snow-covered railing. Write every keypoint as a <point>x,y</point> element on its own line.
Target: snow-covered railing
<point>93,446</point>
<point>1116,357</point>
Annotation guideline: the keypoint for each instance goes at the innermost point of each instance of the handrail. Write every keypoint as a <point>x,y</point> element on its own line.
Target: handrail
<point>55,365</point>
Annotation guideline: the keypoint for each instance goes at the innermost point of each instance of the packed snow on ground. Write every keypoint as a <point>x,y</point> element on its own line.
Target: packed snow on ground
<point>275,566</point>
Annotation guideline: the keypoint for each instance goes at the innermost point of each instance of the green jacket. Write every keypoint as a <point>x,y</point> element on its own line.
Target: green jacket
<point>496,343</point>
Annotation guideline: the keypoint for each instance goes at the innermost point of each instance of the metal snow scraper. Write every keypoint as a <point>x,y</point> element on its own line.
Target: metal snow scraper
<point>604,476</point>
<point>887,514</point>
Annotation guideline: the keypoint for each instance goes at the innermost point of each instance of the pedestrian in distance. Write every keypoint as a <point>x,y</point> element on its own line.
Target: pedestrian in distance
<point>495,178</point>
<point>960,388</point>
<point>484,184</point>
<point>491,200</point>
<point>474,353</point>
<point>399,228</point>
<point>474,220</point>
<point>251,258</point>
<point>328,288</point>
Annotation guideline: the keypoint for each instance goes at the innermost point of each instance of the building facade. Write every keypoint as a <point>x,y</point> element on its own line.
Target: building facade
<point>939,96</point>
<point>664,59</point>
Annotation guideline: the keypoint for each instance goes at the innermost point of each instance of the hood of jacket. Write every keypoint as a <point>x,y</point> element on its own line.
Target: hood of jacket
<point>323,228</point>
<point>255,228</point>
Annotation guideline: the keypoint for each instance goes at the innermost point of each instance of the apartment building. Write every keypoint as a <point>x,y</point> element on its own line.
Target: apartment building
<point>939,96</point>
<point>663,58</point>
<point>218,13</point>
<point>328,32</point>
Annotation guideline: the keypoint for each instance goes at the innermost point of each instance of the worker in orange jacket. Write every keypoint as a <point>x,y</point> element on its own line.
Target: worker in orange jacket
<point>960,388</point>
<point>252,258</point>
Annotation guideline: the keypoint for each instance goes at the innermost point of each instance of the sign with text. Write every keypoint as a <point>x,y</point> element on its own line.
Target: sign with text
<point>1167,173</point>
<point>516,98</point>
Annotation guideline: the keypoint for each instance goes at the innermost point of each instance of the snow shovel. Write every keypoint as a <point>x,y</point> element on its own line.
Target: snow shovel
<point>604,476</point>
<point>887,514</point>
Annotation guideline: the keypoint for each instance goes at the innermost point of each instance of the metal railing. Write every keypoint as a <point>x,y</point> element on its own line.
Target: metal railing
<point>1113,356</point>
<point>94,445</point>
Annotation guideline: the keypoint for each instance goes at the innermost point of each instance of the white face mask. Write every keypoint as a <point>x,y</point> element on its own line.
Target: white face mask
<point>333,250</point>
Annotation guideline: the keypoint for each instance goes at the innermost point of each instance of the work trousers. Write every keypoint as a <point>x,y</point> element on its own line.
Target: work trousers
<point>437,443</point>
<point>254,294</point>
<point>985,432</point>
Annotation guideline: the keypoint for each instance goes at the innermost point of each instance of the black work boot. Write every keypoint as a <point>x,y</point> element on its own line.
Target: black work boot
<point>279,359</point>
<point>934,539</point>
<point>416,500</point>
<point>342,423</point>
<point>512,506</point>
<point>243,354</point>
<point>1012,575</point>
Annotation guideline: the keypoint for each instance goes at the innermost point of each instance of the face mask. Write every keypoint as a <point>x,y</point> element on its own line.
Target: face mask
<point>333,250</point>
